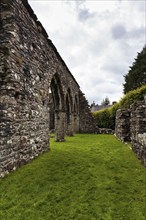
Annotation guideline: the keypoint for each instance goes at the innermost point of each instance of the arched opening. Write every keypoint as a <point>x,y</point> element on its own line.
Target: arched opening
<point>52,113</point>
<point>56,93</point>
<point>57,108</point>
<point>76,104</point>
<point>76,114</point>
<point>69,113</point>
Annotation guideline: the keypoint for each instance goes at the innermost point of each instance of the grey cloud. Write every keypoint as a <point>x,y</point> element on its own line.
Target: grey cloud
<point>79,3</point>
<point>82,47</point>
<point>118,31</point>
<point>115,68</point>
<point>82,11</point>
<point>139,5</point>
<point>110,91</point>
<point>75,3</point>
<point>135,33</point>
<point>84,14</point>
<point>80,8</point>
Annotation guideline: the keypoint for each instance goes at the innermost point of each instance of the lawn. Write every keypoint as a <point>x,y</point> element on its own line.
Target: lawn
<point>88,177</point>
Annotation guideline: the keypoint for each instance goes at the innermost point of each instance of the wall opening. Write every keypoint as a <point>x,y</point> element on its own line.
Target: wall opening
<point>57,108</point>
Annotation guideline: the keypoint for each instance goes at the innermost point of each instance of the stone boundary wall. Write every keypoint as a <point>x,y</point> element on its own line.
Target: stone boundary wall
<point>122,127</point>
<point>131,126</point>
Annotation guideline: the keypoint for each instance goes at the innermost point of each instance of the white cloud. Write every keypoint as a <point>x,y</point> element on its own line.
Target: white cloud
<point>98,40</point>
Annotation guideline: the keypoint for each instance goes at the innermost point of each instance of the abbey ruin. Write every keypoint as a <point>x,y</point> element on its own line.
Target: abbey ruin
<point>38,93</point>
<point>37,90</point>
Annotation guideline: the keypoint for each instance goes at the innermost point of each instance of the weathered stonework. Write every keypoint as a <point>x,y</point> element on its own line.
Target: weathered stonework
<point>122,126</point>
<point>31,74</point>
<point>87,121</point>
<point>138,130</point>
<point>106,131</point>
<point>131,126</point>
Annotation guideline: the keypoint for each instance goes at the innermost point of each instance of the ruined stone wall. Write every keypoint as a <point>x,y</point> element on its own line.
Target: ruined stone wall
<point>87,121</point>
<point>24,115</point>
<point>138,130</point>
<point>28,62</point>
<point>122,127</point>
<point>31,67</point>
<point>131,126</point>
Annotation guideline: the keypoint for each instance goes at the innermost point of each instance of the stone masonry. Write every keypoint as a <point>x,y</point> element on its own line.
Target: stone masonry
<point>123,124</point>
<point>32,73</point>
<point>138,130</point>
<point>87,121</point>
<point>131,126</point>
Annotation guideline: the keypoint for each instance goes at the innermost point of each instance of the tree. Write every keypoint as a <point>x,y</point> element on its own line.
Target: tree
<point>105,101</point>
<point>136,77</point>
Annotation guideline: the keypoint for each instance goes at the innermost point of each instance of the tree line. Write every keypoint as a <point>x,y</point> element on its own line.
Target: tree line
<point>136,76</point>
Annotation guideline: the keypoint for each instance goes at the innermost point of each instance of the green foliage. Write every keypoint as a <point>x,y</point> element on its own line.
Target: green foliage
<point>132,96</point>
<point>101,118</point>
<point>136,77</point>
<point>106,117</point>
<point>134,88</point>
<point>105,101</point>
<point>88,177</point>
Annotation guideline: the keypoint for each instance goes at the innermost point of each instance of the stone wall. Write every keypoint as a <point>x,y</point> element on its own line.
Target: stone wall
<point>32,69</point>
<point>138,130</point>
<point>131,126</point>
<point>87,121</point>
<point>106,131</point>
<point>122,127</point>
<point>23,88</point>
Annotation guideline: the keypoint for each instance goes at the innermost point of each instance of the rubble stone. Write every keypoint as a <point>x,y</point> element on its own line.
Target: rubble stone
<point>31,74</point>
<point>131,126</point>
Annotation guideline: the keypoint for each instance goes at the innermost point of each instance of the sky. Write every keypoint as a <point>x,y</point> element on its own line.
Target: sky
<point>97,39</point>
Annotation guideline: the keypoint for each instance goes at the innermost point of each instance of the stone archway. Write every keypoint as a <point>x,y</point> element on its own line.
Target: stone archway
<point>69,113</point>
<point>31,69</point>
<point>76,114</point>
<point>59,111</point>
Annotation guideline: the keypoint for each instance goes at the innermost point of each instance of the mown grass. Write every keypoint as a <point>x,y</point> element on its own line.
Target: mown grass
<point>89,177</point>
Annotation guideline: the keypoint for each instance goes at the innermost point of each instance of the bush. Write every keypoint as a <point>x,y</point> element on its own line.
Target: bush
<point>132,96</point>
<point>105,118</point>
<point>102,118</point>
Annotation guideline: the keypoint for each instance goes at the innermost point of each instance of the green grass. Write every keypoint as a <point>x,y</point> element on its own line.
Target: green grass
<point>89,177</point>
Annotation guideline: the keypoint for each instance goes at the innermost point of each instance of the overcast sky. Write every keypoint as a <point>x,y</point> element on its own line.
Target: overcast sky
<point>97,39</point>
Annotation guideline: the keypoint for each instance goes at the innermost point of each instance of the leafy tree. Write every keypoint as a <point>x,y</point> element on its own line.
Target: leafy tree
<point>136,77</point>
<point>105,101</point>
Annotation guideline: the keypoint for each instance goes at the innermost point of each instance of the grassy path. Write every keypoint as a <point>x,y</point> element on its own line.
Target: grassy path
<point>89,177</point>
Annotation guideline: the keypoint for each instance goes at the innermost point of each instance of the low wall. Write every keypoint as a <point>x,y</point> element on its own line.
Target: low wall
<point>106,131</point>
<point>138,130</point>
<point>122,127</point>
<point>131,126</point>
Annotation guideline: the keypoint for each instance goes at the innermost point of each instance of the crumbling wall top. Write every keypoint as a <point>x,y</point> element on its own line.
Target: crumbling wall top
<point>43,31</point>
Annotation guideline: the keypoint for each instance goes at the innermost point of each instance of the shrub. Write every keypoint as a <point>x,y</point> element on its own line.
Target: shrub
<point>132,96</point>
<point>105,118</point>
<point>102,118</point>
